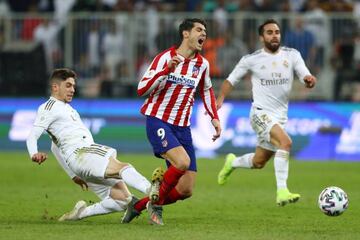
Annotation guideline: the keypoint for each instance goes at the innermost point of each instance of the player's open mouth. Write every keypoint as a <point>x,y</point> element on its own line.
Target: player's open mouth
<point>201,41</point>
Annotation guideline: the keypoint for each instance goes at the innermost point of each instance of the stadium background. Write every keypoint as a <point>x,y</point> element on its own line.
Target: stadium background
<point>110,44</point>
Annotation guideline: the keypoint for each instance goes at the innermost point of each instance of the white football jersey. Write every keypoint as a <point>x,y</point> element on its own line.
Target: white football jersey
<point>64,125</point>
<point>272,76</point>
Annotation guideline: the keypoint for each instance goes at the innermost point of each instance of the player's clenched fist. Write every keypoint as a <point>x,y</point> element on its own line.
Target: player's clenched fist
<point>174,61</point>
<point>310,81</point>
<point>39,157</point>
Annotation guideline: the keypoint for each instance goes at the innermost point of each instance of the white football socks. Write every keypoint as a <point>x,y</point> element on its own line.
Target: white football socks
<point>281,166</point>
<point>134,179</point>
<point>244,161</point>
<point>107,205</point>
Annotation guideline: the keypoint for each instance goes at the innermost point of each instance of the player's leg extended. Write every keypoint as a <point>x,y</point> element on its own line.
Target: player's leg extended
<point>170,180</point>
<point>114,199</point>
<point>179,163</point>
<point>125,171</point>
<point>282,141</point>
<point>255,160</point>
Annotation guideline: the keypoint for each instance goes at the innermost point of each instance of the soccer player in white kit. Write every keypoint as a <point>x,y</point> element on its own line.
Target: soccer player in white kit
<point>87,163</point>
<point>272,73</point>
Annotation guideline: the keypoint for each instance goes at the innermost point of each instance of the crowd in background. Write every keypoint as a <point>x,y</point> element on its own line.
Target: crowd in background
<point>101,44</point>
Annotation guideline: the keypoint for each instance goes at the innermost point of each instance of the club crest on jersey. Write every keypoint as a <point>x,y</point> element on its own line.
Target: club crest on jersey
<point>286,64</point>
<point>164,143</point>
<point>195,71</point>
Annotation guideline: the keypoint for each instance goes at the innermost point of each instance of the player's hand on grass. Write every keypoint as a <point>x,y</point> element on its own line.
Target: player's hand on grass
<point>39,157</point>
<point>310,81</point>
<point>80,182</point>
<point>174,61</point>
<point>217,126</point>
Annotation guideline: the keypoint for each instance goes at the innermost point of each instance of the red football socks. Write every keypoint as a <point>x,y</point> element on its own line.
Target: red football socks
<point>171,178</point>
<point>141,204</point>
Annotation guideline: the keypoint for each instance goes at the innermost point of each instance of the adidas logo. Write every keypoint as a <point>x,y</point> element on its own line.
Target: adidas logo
<point>263,67</point>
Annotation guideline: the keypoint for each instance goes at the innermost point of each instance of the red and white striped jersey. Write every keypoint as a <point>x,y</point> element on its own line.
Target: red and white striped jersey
<point>172,91</point>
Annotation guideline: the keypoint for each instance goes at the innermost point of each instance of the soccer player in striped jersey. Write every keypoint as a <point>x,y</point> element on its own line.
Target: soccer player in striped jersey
<point>86,162</point>
<point>170,83</point>
<point>272,69</point>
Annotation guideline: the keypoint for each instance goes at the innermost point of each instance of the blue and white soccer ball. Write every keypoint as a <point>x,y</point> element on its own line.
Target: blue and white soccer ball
<point>333,201</point>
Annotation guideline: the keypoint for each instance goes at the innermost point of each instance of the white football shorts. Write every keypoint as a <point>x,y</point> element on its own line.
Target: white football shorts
<point>262,121</point>
<point>90,162</point>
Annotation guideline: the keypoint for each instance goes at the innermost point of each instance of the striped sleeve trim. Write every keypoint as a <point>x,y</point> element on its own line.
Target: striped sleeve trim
<point>49,104</point>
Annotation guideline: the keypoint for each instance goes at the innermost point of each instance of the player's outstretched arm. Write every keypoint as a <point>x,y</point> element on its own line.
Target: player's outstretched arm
<point>225,89</point>
<point>31,143</point>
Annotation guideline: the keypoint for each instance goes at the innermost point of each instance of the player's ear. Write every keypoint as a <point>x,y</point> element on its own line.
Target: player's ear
<point>54,86</point>
<point>261,38</point>
<point>186,34</point>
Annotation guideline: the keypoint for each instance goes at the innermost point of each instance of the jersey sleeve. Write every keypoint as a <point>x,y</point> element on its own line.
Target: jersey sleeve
<point>299,66</point>
<point>239,71</point>
<point>44,117</point>
<point>207,94</point>
<point>31,141</point>
<point>154,75</point>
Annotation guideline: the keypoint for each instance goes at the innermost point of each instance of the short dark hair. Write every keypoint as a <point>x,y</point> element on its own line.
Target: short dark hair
<point>62,74</point>
<point>188,24</point>
<point>268,21</point>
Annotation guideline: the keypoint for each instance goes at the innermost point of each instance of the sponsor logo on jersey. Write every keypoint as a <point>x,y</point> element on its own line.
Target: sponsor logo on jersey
<point>164,143</point>
<point>272,82</point>
<point>181,80</point>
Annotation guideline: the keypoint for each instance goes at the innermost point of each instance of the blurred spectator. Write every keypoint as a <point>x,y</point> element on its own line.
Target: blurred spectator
<point>94,47</point>
<point>4,8</point>
<point>230,53</point>
<point>302,40</point>
<point>315,22</point>
<point>220,16</point>
<point>62,9</point>
<point>343,62</point>
<point>115,52</point>
<point>152,26</point>
<point>30,23</point>
<point>214,41</point>
<point>167,35</point>
<point>47,34</point>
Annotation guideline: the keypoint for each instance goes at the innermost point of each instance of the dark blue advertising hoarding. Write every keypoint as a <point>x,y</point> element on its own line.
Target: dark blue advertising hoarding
<point>320,130</point>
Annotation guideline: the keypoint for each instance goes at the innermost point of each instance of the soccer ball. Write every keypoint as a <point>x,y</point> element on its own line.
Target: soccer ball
<point>333,201</point>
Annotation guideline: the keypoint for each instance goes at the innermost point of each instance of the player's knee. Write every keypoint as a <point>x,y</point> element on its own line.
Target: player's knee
<point>185,193</point>
<point>286,145</point>
<point>183,163</point>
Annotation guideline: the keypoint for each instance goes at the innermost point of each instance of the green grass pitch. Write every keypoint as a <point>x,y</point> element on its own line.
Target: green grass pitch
<point>33,197</point>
